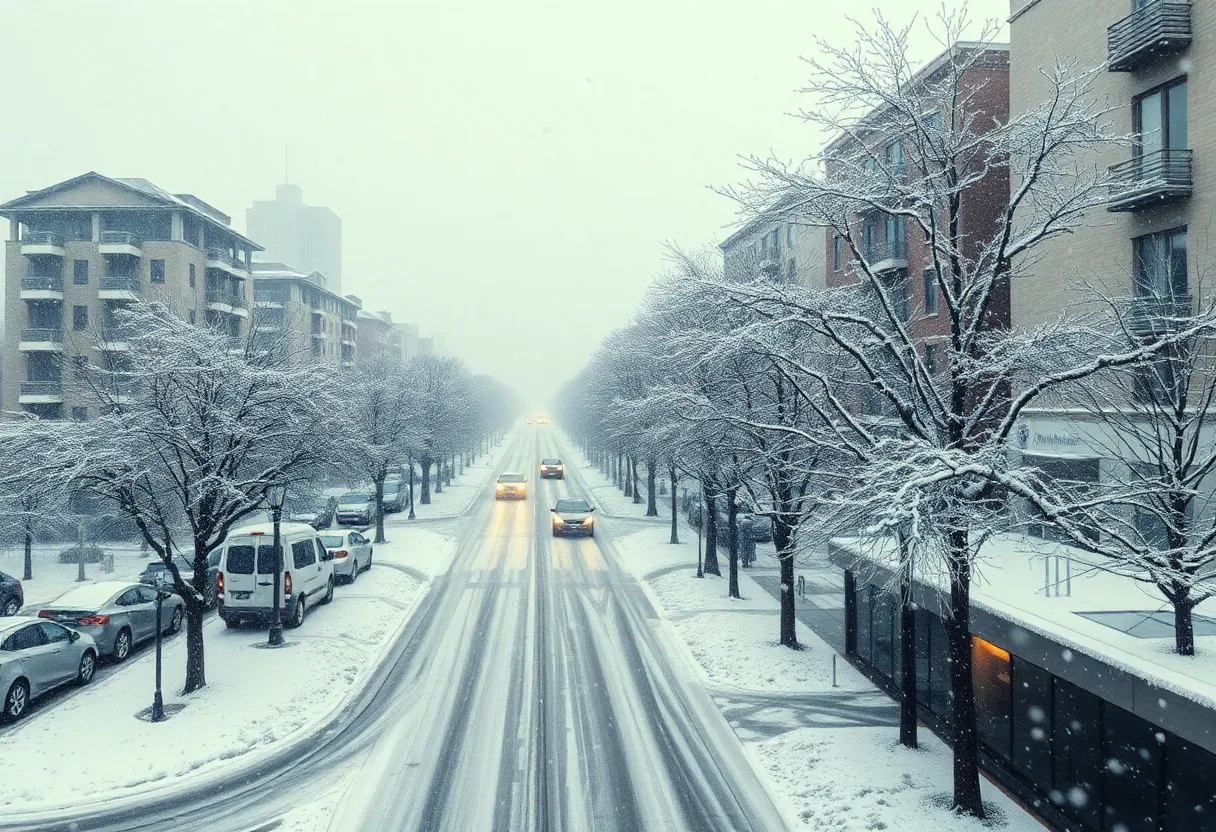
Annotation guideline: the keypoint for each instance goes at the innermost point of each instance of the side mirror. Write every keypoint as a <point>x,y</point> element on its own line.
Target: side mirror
<point>73,636</point>
<point>591,509</point>
<point>553,511</point>
<point>328,555</point>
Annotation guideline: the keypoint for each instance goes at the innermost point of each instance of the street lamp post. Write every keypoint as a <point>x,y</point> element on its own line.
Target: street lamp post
<point>158,701</point>
<point>700,525</point>
<point>411,464</point>
<point>276,495</point>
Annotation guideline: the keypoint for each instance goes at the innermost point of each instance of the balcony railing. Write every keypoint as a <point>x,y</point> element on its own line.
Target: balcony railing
<point>42,388</point>
<point>226,257</point>
<point>1147,34</point>
<point>1157,314</point>
<point>44,284</point>
<point>42,238</point>
<point>120,283</point>
<point>42,335</point>
<point>121,238</point>
<point>225,298</point>
<point>885,252</point>
<point>1150,179</point>
<point>114,334</point>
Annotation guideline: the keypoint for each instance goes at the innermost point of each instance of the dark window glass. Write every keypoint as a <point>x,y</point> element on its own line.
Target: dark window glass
<point>1077,743</point>
<point>930,292</point>
<point>1190,799</point>
<point>922,657</point>
<point>939,669</point>
<point>54,633</point>
<point>791,270</point>
<point>1032,723</point>
<point>240,560</point>
<point>1159,263</point>
<point>993,696</point>
<point>158,271</point>
<point>1132,751</point>
<point>28,637</point>
<point>192,316</point>
<point>80,317</point>
<point>837,253</point>
<point>1079,476</point>
<point>303,554</point>
<point>931,359</point>
<point>266,560</point>
<point>863,623</point>
<point>1160,119</point>
<point>80,271</point>
<point>192,276</point>
<point>884,608</point>
<point>128,598</point>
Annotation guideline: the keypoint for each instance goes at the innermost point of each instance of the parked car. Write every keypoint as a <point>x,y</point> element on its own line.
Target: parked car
<point>317,512</point>
<point>92,554</point>
<point>573,517</point>
<point>357,508</point>
<point>247,571</point>
<point>396,495</point>
<point>38,656</point>
<point>552,468</point>
<point>185,567</point>
<point>760,527</point>
<point>118,615</point>
<point>11,595</point>
<point>511,486</point>
<point>352,553</point>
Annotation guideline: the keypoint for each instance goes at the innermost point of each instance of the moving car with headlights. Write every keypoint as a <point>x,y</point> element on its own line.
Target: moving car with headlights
<point>352,554</point>
<point>11,595</point>
<point>511,486</point>
<point>117,615</point>
<point>247,574</point>
<point>396,494</point>
<point>357,508</point>
<point>317,511</point>
<point>573,517</point>
<point>552,469</point>
<point>156,572</point>
<point>38,656</point>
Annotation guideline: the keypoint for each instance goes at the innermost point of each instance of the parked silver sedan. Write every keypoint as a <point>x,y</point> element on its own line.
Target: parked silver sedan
<point>37,657</point>
<point>352,553</point>
<point>117,614</point>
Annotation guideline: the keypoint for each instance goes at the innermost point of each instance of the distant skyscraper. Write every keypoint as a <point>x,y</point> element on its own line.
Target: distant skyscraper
<point>305,237</point>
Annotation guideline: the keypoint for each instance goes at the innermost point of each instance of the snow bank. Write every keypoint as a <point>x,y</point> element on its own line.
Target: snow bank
<point>52,578</point>
<point>456,498</point>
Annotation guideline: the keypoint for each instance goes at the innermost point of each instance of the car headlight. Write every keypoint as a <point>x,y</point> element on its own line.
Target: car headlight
<point>557,521</point>
<point>588,521</point>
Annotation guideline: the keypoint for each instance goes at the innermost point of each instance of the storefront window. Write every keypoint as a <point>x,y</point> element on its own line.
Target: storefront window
<point>1190,798</point>
<point>1031,713</point>
<point>922,658</point>
<point>1132,754</point>
<point>993,695</point>
<point>939,669</point>
<point>863,623</point>
<point>1076,728</point>
<point>884,608</point>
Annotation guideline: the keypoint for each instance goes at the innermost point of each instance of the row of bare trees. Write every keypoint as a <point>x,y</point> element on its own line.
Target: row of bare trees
<point>827,409</point>
<point>193,432</point>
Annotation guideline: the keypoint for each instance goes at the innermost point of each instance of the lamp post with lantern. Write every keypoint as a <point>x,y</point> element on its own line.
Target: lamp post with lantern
<point>276,494</point>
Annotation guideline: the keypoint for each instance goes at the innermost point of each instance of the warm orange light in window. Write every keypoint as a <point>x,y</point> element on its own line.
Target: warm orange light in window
<point>991,649</point>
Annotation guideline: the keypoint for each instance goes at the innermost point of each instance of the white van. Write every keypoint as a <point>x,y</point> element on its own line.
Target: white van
<point>246,577</point>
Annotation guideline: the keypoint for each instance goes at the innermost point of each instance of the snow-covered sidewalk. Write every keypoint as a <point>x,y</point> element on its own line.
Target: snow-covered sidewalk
<point>255,701</point>
<point>838,778</point>
<point>609,499</point>
<point>52,578</point>
<point>456,498</point>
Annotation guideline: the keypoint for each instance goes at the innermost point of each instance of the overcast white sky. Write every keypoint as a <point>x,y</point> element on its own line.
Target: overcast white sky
<point>506,173</point>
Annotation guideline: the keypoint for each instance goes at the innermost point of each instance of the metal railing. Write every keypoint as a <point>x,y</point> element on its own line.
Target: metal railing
<point>1157,313</point>
<point>226,298</point>
<point>42,388</point>
<point>43,335</point>
<point>45,238</point>
<point>1146,34</point>
<point>888,250</point>
<point>225,256</point>
<point>120,283</point>
<point>48,284</point>
<point>121,238</point>
<point>1151,177</point>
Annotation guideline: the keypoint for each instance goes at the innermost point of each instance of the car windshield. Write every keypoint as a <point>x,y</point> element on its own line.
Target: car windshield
<point>333,541</point>
<point>573,505</point>
<point>355,498</point>
<point>550,462</point>
<point>511,478</point>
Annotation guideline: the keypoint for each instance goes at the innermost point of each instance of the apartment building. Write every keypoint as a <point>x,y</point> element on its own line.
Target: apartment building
<point>79,250</point>
<point>780,247</point>
<point>298,313</point>
<point>378,336</point>
<point>309,237</point>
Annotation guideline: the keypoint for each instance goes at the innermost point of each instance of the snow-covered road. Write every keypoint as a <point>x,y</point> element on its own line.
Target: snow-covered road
<point>531,691</point>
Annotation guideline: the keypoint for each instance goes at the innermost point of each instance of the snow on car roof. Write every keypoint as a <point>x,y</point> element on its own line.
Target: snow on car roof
<point>267,529</point>
<point>91,595</point>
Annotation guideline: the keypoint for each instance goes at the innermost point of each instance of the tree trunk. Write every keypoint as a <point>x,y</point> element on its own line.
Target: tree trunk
<point>1184,625</point>
<point>732,539</point>
<point>783,538</point>
<point>967,798</point>
<point>439,475</point>
<point>411,464</point>
<point>451,468</point>
<point>196,665</point>
<point>652,506</point>
<point>675,506</point>
<point>907,648</point>
<point>633,472</point>
<point>379,481</point>
<point>28,574</point>
<point>628,477</point>
<point>711,533</point>
<point>425,464</point>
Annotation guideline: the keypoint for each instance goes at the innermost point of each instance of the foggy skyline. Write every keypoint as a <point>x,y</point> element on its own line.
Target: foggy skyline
<point>506,176</point>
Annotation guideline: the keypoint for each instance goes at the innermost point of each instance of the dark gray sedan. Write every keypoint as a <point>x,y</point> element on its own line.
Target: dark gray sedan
<point>156,571</point>
<point>573,517</point>
<point>38,656</point>
<point>11,595</point>
<point>117,614</point>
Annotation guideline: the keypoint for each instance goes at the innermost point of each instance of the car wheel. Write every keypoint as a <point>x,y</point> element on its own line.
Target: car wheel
<point>16,700</point>
<point>88,666</point>
<point>232,623</point>
<point>11,606</point>
<point>329,591</point>
<point>122,645</point>
<point>369,560</point>
<point>297,616</point>
<point>354,573</point>
<point>175,623</point>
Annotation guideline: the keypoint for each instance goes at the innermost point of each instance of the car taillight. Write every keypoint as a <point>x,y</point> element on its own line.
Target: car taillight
<point>44,613</point>
<point>219,583</point>
<point>341,553</point>
<point>92,620</point>
<point>286,583</point>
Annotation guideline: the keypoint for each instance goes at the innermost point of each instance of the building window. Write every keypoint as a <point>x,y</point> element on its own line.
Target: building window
<point>1132,750</point>
<point>80,317</point>
<point>895,156</point>
<point>865,597</point>
<point>1032,723</point>
<point>789,235</point>
<point>191,275</point>
<point>80,414</point>
<point>1159,119</point>
<point>1159,265</point>
<point>993,696</point>
<point>896,288</point>
<point>1077,477</point>
<point>931,359</point>
<point>837,253</point>
<point>80,272</point>
<point>930,292</point>
<point>192,316</point>
<point>158,271</point>
<point>775,241</point>
<point>1190,800</point>
<point>1077,739</point>
<point>791,270</point>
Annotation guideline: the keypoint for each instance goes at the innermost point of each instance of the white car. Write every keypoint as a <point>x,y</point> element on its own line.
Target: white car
<point>352,553</point>
<point>247,568</point>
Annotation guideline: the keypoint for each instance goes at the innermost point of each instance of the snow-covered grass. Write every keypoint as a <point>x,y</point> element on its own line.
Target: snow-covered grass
<point>456,498</point>
<point>838,778</point>
<point>52,578</point>
<point>609,499</point>
<point>255,699</point>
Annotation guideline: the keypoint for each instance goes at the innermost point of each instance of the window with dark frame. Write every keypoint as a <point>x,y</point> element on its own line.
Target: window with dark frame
<point>80,318</point>
<point>931,359</point>
<point>158,271</point>
<point>1159,118</point>
<point>837,253</point>
<point>791,271</point>
<point>191,275</point>
<point>80,272</point>
<point>930,291</point>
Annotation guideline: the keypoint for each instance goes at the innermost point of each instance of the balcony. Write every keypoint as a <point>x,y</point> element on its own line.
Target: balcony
<point>1150,179</point>
<point>887,256</point>
<point>121,242</point>
<point>41,392</point>
<point>119,287</point>
<point>219,300</point>
<point>41,288</point>
<point>222,259</point>
<point>114,339</point>
<point>34,243</point>
<point>1147,35</point>
<point>1157,315</point>
<point>41,339</point>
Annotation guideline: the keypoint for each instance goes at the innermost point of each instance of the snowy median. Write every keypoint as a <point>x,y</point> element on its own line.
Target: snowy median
<point>852,777</point>
<point>455,499</point>
<point>255,702</point>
